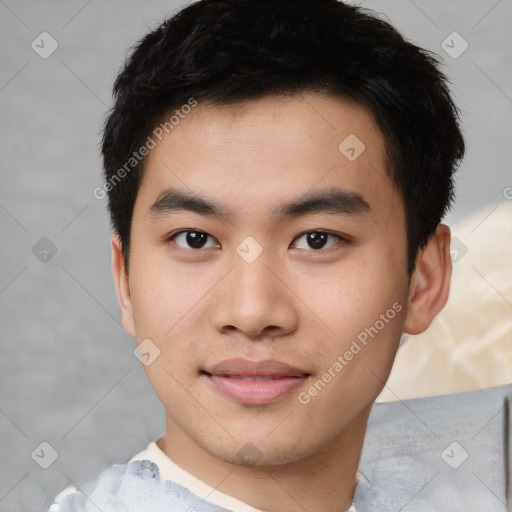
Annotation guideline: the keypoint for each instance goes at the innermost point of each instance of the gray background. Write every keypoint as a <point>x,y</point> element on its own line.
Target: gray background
<point>68,373</point>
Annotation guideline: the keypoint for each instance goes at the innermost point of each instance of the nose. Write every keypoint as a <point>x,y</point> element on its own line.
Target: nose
<point>255,300</point>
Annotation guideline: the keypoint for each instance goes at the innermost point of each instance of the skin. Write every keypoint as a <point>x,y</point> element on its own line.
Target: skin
<point>295,303</point>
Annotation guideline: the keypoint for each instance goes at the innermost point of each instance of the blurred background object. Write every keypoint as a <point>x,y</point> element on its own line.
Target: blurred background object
<point>469,344</point>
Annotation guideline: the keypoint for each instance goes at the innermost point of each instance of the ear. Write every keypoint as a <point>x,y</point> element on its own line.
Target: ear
<point>122,285</point>
<point>430,282</point>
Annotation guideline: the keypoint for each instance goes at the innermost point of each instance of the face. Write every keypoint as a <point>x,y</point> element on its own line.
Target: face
<point>268,268</point>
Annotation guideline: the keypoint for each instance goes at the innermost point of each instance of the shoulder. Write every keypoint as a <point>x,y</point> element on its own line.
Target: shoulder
<point>107,485</point>
<point>127,487</point>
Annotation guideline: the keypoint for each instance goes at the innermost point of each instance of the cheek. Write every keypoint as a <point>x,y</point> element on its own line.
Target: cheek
<point>164,302</point>
<point>351,298</point>
<point>168,301</point>
<point>363,305</point>
<point>357,363</point>
<point>161,295</point>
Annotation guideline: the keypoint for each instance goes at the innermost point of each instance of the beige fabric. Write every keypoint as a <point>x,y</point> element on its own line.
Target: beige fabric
<point>469,344</point>
<point>171,471</point>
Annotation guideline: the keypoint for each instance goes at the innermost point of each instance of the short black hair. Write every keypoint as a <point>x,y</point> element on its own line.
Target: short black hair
<point>228,51</point>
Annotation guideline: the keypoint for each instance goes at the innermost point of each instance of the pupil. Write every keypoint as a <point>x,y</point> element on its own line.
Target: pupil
<point>317,240</point>
<point>196,239</point>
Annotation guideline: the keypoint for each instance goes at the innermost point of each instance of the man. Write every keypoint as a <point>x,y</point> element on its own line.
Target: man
<point>277,173</point>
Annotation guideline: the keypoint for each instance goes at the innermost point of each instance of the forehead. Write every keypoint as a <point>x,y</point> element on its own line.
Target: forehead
<point>259,153</point>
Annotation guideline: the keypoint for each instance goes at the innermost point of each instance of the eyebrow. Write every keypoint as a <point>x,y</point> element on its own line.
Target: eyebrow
<point>332,201</point>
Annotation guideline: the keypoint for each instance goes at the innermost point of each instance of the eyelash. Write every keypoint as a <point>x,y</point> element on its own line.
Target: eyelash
<point>343,239</point>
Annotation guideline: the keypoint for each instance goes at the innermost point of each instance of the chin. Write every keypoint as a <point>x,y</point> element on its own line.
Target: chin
<point>262,451</point>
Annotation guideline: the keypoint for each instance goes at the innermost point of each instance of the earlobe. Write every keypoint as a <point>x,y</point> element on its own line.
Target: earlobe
<point>122,285</point>
<point>430,283</point>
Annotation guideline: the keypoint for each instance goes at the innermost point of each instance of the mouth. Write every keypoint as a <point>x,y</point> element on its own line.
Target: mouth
<point>255,382</point>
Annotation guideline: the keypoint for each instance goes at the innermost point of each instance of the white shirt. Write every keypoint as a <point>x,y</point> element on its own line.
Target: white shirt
<point>169,470</point>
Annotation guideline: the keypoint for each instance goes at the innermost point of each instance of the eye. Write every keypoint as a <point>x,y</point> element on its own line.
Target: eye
<point>193,238</point>
<point>318,240</point>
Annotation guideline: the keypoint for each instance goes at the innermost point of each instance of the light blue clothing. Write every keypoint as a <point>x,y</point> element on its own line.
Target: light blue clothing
<point>449,453</point>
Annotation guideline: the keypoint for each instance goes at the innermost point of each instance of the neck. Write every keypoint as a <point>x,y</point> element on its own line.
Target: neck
<point>324,481</point>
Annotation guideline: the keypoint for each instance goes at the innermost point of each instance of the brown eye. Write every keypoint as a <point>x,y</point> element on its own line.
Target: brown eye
<point>318,240</point>
<point>192,239</point>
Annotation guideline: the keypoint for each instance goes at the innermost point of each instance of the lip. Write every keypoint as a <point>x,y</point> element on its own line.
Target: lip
<point>255,382</point>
